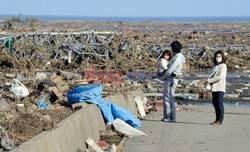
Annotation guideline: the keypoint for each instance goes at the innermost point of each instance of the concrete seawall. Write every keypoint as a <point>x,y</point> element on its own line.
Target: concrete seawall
<point>71,133</point>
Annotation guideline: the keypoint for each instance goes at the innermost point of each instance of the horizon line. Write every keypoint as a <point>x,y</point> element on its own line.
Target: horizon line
<point>122,16</point>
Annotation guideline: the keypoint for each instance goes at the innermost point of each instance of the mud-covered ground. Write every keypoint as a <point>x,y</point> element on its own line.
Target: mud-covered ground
<point>24,121</point>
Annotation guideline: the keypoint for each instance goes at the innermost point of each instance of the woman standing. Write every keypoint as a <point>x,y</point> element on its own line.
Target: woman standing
<point>218,82</point>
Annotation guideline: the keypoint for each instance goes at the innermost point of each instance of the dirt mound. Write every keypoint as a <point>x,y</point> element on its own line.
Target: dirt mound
<point>27,126</point>
<point>23,124</point>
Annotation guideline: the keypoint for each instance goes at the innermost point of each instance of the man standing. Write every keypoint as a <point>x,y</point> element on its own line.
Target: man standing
<point>171,81</point>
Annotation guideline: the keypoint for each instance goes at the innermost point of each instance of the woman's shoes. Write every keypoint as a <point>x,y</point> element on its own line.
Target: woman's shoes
<point>216,123</point>
<point>212,123</point>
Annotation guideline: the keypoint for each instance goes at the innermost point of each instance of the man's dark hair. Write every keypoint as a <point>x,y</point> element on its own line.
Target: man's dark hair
<point>176,46</point>
<point>222,55</point>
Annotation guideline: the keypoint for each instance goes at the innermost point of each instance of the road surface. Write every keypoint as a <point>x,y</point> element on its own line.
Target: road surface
<point>192,132</point>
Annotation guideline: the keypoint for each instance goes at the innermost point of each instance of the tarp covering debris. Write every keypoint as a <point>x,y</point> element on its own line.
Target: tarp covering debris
<point>111,111</point>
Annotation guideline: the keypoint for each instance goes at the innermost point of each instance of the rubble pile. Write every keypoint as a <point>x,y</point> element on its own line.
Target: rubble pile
<point>125,45</point>
<point>51,58</point>
<point>22,116</point>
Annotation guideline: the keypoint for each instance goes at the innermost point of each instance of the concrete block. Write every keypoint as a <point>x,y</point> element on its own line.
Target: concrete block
<point>138,93</point>
<point>32,144</point>
<point>72,135</point>
<point>67,129</point>
<point>115,100</point>
<point>62,140</point>
<point>76,120</point>
<point>86,127</point>
<point>126,129</point>
<point>80,105</point>
<point>127,100</point>
<point>42,144</point>
<point>120,100</point>
<point>54,141</point>
<point>100,119</point>
<point>17,150</point>
<point>139,104</point>
<point>131,104</point>
<point>91,115</point>
<point>27,147</point>
<point>66,145</point>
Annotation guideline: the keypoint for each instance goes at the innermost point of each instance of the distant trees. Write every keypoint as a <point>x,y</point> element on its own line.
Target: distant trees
<point>8,24</point>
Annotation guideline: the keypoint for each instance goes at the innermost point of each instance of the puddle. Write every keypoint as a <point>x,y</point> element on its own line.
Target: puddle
<point>227,104</point>
<point>205,74</point>
<point>234,78</point>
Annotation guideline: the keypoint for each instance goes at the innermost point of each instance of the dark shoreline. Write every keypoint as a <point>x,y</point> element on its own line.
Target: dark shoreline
<point>179,19</point>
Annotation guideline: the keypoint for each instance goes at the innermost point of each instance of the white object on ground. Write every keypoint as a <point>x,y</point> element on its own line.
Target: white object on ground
<point>231,95</point>
<point>188,96</point>
<point>41,76</point>
<point>20,105</point>
<point>126,129</point>
<point>139,104</point>
<point>247,85</point>
<point>238,91</point>
<point>69,56</point>
<point>19,90</point>
<point>113,148</point>
<point>145,100</point>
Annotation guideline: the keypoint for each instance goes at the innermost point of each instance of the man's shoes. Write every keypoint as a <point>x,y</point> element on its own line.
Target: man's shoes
<point>164,120</point>
<point>218,123</point>
<point>167,120</point>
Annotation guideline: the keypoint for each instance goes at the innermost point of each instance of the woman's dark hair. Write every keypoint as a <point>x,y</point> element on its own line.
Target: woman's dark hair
<point>176,46</point>
<point>166,52</point>
<point>222,55</point>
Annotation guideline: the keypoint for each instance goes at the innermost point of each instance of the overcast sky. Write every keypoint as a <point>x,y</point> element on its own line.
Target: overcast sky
<point>120,8</point>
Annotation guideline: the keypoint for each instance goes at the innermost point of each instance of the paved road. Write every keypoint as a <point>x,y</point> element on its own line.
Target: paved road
<point>192,133</point>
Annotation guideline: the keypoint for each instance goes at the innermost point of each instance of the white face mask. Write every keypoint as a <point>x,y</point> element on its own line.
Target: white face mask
<point>218,59</point>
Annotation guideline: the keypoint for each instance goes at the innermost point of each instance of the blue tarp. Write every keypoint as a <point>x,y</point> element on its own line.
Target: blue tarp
<point>111,111</point>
